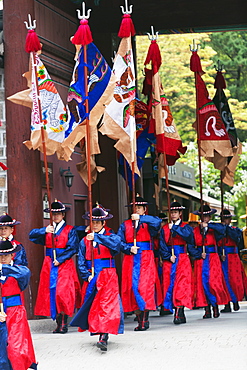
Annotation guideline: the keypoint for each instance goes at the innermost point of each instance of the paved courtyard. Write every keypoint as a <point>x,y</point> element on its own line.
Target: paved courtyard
<point>215,344</point>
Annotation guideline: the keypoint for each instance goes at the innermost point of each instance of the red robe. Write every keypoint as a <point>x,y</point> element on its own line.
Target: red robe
<point>101,310</point>
<point>20,347</point>
<point>177,278</point>
<point>141,291</point>
<point>67,286</point>
<point>233,269</point>
<point>209,282</point>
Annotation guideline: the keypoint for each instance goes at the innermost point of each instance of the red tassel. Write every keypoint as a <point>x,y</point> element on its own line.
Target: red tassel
<point>154,56</point>
<point>195,63</point>
<point>219,82</point>
<point>83,35</point>
<point>127,27</point>
<point>32,42</point>
<point>2,165</point>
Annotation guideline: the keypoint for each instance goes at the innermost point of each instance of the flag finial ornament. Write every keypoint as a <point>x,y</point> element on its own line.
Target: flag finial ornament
<point>152,36</point>
<point>127,27</point>
<point>195,63</point>
<point>219,67</point>
<point>126,10</point>
<point>83,35</point>
<point>32,42</point>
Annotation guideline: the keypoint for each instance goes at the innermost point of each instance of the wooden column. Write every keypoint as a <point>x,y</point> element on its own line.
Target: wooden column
<point>24,173</point>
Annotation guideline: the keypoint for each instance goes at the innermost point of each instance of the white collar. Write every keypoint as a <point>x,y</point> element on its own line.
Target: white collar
<point>58,226</point>
<point>100,232</point>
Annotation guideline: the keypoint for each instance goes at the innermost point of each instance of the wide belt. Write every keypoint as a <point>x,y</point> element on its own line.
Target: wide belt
<point>231,249</point>
<point>143,246</point>
<point>11,301</point>
<point>210,248</point>
<point>178,248</point>
<point>49,251</point>
<point>100,264</point>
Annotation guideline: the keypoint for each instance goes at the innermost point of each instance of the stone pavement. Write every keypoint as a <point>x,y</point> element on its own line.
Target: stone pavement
<point>212,344</point>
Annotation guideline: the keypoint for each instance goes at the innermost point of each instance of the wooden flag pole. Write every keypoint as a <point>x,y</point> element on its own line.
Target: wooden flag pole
<point>83,37</point>
<point>88,151</point>
<point>195,47</point>
<point>168,200</point>
<point>219,68</point>
<point>31,26</point>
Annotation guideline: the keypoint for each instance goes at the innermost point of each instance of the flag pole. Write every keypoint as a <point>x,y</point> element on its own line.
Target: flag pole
<point>194,48</point>
<point>83,37</point>
<point>32,46</point>
<point>127,30</point>
<point>219,68</point>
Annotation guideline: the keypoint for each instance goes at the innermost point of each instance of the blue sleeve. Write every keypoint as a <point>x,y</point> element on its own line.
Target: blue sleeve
<point>125,248</point>
<point>21,257</point>
<point>72,247</point>
<point>186,232</point>
<point>37,236</point>
<point>236,234</point>
<point>219,230</point>
<point>80,230</point>
<point>84,273</point>
<point>20,273</point>
<point>153,224</point>
<point>112,241</point>
<point>165,252</point>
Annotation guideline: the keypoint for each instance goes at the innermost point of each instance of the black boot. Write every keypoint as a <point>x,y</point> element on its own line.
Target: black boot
<point>227,308</point>
<point>59,323</point>
<point>164,312</point>
<point>64,324</point>
<point>145,319</point>
<point>102,343</point>
<point>143,323</point>
<point>216,312</point>
<point>207,314</point>
<point>183,316</point>
<point>179,317</point>
<point>236,306</point>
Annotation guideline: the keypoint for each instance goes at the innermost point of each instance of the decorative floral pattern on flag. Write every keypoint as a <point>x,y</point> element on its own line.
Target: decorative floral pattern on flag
<point>119,118</point>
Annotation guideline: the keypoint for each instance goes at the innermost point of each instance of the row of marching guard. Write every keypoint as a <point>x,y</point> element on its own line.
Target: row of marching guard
<point>165,264</point>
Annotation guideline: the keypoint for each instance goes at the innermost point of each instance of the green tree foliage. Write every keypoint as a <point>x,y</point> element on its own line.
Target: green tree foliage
<point>230,48</point>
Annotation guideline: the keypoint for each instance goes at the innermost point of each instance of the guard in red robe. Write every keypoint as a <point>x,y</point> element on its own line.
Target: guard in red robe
<point>141,291</point>
<point>59,287</point>
<point>16,350</point>
<point>176,241</point>
<point>101,312</point>
<point>7,230</point>
<point>229,247</point>
<point>210,285</point>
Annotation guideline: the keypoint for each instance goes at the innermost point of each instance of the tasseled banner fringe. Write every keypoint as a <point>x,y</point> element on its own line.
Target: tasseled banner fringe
<point>195,63</point>
<point>219,82</point>
<point>154,56</point>
<point>32,42</point>
<point>83,35</point>
<point>127,27</point>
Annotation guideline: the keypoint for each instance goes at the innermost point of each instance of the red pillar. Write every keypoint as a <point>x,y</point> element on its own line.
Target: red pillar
<point>24,173</point>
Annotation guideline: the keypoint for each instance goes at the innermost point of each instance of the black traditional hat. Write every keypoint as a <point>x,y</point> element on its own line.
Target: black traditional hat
<point>163,216</point>
<point>57,206</point>
<point>225,213</point>
<point>175,206</point>
<point>99,213</point>
<point>206,210</point>
<point>139,201</point>
<point>6,247</point>
<point>6,220</point>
